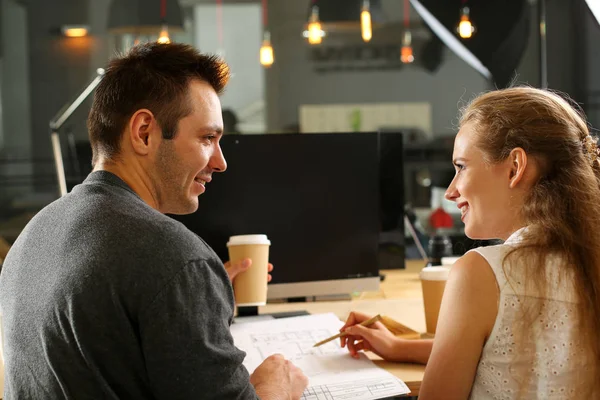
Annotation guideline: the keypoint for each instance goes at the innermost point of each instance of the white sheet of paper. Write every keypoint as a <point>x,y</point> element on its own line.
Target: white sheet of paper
<point>332,373</point>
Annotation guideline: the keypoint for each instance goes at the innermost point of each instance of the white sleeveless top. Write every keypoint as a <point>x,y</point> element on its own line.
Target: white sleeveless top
<point>554,373</point>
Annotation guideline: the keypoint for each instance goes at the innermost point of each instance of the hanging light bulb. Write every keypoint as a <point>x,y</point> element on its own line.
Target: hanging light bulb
<point>365,21</point>
<point>266,51</point>
<point>314,33</point>
<point>163,38</point>
<point>465,28</point>
<point>406,53</point>
<point>75,30</point>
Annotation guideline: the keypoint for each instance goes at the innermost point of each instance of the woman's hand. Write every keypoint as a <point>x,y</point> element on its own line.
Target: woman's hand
<point>376,338</point>
<point>234,269</point>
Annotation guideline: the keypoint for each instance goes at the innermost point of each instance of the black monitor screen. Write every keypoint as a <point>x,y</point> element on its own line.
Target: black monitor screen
<point>391,193</point>
<point>316,196</point>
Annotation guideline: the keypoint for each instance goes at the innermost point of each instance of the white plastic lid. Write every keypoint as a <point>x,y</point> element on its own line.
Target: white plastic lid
<point>449,261</point>
<point>437,273</point>
<point>248,239</point>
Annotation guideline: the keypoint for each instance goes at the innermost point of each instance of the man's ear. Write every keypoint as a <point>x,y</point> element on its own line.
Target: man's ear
<point>141,126</point>
<point>518,165</point>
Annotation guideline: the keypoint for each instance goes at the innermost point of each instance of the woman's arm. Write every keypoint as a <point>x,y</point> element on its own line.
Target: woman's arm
<point>414,351</point>
<point>467,316</point>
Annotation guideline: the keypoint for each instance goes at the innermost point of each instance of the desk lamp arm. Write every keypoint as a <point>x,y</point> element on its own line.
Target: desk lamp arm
<point>57,122</point>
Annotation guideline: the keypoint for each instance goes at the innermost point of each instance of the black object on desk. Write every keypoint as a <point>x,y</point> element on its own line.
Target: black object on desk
<point>439,246</point>
<point>252,311</point>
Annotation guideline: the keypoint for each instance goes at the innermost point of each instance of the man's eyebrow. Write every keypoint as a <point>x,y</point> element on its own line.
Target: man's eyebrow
<point>211,129</point>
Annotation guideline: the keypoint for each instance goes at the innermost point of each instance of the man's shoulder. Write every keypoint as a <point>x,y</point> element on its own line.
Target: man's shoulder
<point>143,230</point>
<point>117,228</point>
<point>175,238</point>
<point>123,212</point>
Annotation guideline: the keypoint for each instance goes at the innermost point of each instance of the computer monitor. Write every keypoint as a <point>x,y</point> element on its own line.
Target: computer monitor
<point>392,199</point>
<point>317,198</point>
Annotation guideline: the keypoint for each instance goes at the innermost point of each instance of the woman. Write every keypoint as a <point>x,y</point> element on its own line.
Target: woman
<point>521,319</point>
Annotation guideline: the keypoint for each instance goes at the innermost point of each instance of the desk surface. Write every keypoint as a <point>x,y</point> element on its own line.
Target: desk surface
<point>399,297</point>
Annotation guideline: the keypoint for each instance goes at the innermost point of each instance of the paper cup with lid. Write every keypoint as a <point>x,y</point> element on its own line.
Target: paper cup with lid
<point>433,282</point>
<point>250,286</point>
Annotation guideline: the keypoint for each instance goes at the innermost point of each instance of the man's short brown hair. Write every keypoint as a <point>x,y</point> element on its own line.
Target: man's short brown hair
<point>152,76</point>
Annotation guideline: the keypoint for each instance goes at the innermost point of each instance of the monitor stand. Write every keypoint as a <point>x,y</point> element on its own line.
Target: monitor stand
<point>248,314</point>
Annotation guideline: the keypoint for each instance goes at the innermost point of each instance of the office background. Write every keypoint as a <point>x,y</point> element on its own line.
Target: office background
<point>41,71</point>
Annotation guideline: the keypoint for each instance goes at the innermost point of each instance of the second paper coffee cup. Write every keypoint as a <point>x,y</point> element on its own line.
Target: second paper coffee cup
<point>433,281</point>
<point>250,287</point>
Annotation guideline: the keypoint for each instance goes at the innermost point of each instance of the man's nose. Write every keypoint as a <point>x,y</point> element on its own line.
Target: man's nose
<point>217,161</point>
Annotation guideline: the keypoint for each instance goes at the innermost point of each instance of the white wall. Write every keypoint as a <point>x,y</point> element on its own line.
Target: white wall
<point>240,46</point>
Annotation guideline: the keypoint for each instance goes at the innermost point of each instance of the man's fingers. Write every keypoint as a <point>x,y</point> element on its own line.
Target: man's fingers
<point>234,269</point>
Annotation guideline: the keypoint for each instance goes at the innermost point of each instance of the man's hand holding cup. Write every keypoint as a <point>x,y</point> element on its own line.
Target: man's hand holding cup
<point>234,269</point>
<point>249,263</point>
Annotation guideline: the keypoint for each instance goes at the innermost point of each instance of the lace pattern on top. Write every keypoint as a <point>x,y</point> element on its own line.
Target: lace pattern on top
<point>504,364</point>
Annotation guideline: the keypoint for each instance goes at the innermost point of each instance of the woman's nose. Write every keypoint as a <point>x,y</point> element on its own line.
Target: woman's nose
<point>451,193</point>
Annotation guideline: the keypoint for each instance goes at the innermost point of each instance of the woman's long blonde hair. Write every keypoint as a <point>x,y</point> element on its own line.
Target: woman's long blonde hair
<point>562,210</point>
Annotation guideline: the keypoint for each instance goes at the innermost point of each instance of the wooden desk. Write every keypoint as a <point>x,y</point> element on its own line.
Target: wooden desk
<point>399,297</point>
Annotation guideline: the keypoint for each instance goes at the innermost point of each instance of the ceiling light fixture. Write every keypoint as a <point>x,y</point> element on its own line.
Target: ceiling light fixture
<point>406,53</point>
<point>163,37</point>
<point>266,51</point>
<point>465,27</point>
<point>314,31</point>
<point>444,33</point>
<point>365,21</point>
<point>75,30</point>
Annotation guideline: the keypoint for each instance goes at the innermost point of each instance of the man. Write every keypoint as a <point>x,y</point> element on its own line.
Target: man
<point>105,297</point>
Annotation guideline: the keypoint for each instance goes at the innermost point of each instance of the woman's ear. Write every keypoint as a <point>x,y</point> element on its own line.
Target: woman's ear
<point>518,165</point>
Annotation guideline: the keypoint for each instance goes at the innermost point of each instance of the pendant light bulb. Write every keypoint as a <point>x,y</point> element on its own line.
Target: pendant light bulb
<point>163,38</point>
<point>75,30</point>
<point>365,21</point>
<point>465,27</point>
<point>406,53</point>
<point>314,33</point>
<point>266,51</point>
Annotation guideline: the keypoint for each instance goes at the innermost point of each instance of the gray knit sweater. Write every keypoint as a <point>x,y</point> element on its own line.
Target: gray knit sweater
<point>104,297</point>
